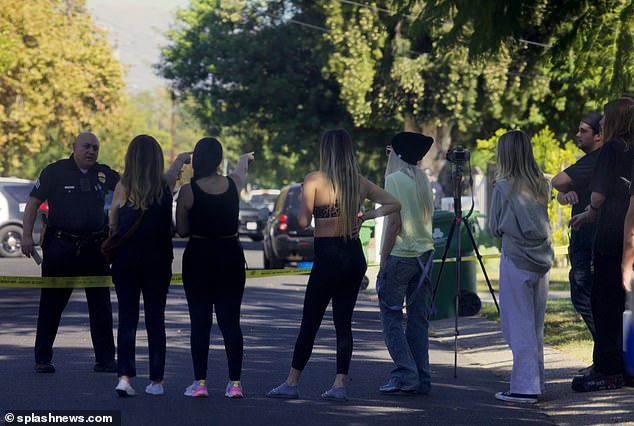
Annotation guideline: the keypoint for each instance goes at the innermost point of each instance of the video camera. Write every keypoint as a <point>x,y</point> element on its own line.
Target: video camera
<point>458,155</point>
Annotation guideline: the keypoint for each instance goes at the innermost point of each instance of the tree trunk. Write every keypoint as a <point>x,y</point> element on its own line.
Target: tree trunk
<point>435,158</point>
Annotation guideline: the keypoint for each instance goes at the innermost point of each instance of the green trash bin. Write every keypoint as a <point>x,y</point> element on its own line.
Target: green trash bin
<point>365,233</point>
<point>469,302</point>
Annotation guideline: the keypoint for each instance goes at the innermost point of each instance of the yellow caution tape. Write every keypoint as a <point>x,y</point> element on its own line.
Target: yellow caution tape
<point>55,282</point>
<point>106,281</point>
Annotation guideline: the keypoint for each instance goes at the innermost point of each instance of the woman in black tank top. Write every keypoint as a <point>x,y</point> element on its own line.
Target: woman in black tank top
<point>213,262</point>
<point>144,261</point>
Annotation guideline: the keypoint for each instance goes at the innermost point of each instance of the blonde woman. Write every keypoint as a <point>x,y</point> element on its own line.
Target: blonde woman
<point>333,195</point>
<point>406,257</point>
<point>144,261</point>
<point>519,215</point>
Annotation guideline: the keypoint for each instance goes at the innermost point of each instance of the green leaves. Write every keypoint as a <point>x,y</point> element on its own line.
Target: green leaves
<point>258,79</point>
<point>58,78</point>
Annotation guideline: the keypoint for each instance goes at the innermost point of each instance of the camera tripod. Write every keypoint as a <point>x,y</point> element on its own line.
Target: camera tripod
<point>458,221</point>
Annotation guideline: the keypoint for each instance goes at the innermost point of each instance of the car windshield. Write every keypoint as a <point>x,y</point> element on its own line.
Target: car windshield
<point>263,199</point>
<point>19,192</point>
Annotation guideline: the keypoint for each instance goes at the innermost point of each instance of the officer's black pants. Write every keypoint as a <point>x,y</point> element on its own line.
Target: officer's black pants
<point>336,275</point>
<point>60,259</point>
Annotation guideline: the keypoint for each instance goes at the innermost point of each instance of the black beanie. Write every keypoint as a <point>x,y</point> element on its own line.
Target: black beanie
<point>411,147</point>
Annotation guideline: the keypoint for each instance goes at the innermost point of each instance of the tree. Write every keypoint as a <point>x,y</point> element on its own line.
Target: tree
<point>394,77</point>
<point>583,51</point>
<point>57,78</point>
<point>257,79</point>
<point>149,112</point>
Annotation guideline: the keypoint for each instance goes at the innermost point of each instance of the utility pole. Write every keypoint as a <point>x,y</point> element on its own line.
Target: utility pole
<point>172,124</point>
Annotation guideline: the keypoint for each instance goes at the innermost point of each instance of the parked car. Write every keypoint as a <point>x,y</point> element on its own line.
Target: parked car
<point>252,221</point>
<point>284,240</point>
<point>14,193</point>
<point>259,198</point>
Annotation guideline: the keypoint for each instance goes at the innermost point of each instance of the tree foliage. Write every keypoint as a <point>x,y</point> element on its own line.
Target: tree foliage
<point>582,51</point>
<point>258,80</point>
<point>150,112</point>
<point>57,78</point>
<point>273,75</point>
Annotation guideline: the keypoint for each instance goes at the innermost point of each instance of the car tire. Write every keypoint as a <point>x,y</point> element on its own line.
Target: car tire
<point>11,241</point>
<point>273,262</point>
<point>277,263</point>
<point>267,262</point>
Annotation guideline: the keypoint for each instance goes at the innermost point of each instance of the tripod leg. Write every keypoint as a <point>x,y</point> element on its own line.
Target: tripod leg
<point>486,277</point>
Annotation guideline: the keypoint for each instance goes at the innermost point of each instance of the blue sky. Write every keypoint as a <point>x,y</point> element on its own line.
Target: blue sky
<point>136,29</point>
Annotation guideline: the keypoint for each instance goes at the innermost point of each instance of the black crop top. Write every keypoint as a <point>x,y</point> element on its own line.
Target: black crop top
<point>324,212</point>
<point>214,215</point>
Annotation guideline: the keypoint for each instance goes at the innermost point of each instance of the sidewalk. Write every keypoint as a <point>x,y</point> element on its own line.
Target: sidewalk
<point>481,344</point>
<point>270,319</point>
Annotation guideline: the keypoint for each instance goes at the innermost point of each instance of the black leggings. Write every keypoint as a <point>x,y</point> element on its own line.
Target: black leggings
<point>129,289</point>
<point>214,277</point>
<point>608,304</point>
<point>337,273</point>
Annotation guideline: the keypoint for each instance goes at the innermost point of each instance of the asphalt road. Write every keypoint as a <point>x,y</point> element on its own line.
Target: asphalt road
<point>270,318</point>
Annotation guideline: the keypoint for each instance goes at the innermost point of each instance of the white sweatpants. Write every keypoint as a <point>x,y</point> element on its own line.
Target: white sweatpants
<point>523,296</point>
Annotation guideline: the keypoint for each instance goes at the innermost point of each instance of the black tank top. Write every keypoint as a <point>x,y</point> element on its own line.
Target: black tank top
<point>214,215</point>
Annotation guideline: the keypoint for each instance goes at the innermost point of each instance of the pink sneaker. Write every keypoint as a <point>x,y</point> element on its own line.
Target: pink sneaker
<point>234,389</point>
<point>198,389</point>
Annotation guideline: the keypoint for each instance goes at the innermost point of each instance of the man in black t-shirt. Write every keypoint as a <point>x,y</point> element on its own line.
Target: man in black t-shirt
<point>75,189</point>
<point>573,185</point>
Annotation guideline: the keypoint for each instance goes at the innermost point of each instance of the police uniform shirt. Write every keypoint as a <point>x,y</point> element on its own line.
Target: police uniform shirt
<point>75,199</point>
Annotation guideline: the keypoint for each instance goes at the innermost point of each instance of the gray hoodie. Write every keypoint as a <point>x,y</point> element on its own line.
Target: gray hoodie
<point>522,222</point>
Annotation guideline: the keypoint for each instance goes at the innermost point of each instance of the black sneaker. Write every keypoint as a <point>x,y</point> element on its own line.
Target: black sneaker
<point>44,368</point>
<point>595,381</point>
<point>108,367</point>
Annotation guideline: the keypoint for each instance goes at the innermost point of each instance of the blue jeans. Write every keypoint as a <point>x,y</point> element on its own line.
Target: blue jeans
<point>581,280</point>
<point>409,347</point>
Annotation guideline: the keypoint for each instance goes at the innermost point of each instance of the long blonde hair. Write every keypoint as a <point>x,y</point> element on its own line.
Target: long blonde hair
<point>143,176</point>
<point>338,163</point>
<point>516,163</point>
<point>423,187</point>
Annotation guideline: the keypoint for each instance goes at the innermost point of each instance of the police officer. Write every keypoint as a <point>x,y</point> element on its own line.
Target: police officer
<point>75,189</point>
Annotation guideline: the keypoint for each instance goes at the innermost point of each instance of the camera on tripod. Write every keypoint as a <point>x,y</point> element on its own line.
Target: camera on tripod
<point>458,154</point>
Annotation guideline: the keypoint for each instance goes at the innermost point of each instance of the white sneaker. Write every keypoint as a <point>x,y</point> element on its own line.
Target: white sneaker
<point>155,389</point>
<point>516,397</point>
<point>124,388</point>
